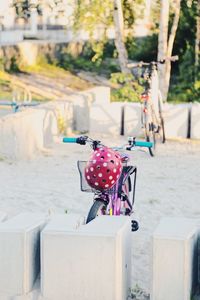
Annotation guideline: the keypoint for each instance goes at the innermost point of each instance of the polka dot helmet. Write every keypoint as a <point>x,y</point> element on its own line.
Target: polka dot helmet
<point>103,169</point>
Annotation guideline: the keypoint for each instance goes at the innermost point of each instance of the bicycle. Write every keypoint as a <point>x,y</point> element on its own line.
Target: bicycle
<point>114,194</point>
<point>17,105</point>
<point>151,102</point>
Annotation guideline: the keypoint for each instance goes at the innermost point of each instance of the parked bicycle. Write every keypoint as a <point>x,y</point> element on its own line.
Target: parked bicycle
<point>151,99</point>
<point>16,106</point>
<point>108,175</point>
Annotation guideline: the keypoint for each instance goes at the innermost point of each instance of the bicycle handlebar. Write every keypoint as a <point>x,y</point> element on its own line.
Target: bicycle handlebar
<point>69,140</point>
<point>82,140</point>
<point>143,144</point>
<point>162,61</point>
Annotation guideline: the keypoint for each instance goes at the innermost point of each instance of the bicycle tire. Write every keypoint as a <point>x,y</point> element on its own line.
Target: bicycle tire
<point>150,136</point>
<point>127,190</point>
<point>162,124</point>
<point>149,130</point>
<point>163,138</point>
<point>95,208</point>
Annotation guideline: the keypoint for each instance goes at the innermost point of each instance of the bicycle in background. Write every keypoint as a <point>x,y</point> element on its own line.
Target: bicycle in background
<point>109,176</point>
<point>151,102</point>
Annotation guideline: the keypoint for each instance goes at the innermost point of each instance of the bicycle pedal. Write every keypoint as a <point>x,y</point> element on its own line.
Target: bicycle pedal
<point>134,225</point>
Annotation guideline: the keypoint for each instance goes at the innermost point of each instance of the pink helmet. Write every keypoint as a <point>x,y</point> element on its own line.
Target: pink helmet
<point>103,169</point>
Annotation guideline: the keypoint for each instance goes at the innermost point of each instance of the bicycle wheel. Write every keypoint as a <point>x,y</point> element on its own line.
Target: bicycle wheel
<point>150,136</point>
<point>98,208</point>
<point>127,203</point>
<point>149,127</point>
<point>162,125</point>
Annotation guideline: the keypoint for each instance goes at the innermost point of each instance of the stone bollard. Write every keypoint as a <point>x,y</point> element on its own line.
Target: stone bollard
<point>175,266</point>
<point>86,262</point>
<point>195,121</point>
<point>3,216</point>
<point>19,254</point>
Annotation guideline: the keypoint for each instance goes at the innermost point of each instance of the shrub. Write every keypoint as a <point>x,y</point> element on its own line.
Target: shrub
<point>144,48</point>
<point>127,88</point>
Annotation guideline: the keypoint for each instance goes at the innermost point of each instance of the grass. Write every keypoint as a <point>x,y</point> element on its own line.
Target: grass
<point>7,88</point>
<point>7,85</point>
<point>55,72</point>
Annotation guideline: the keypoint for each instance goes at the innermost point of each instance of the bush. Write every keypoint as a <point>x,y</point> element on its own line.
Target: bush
<point>144,48</point>
<point>186,85</point>
<point>127,88</point>
<point>84,62</point>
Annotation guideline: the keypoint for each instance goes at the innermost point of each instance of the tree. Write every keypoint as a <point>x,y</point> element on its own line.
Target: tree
<point>23,8</point>
<point>92,16</point>
<point>166,42</point>
<point>119,36</point>
<point>186,80</point>
<point>197,39</point>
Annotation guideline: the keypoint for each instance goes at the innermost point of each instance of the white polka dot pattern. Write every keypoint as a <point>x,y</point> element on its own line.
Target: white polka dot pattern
<point>103,169</point>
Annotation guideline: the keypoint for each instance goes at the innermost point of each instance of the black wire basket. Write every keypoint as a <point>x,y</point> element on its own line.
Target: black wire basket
<point>85,187</point>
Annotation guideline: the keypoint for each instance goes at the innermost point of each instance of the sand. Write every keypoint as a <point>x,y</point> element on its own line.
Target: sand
<point>167,185</point>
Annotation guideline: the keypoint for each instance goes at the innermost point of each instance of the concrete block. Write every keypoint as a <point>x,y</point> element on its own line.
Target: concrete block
<point>22,134</point>
<point>3,216</point>
<point>33,295</point>
<point>27,133</point>
<point>132,119</point>
<point>19,254</point>
<point>106,119</point>
<point>195,121</point>
<point>175,264</point>
<point>88,262</point>
<point>81,110</point>
<point>176,120</point>
<point>99,95</point>
<point>58,118</point>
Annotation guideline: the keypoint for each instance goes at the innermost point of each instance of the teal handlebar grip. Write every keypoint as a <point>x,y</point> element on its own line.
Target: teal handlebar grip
<point>144,144</point>
<point>69,140</point>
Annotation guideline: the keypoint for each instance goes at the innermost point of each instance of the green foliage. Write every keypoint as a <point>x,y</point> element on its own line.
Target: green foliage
<point>86,62</point>
<point>23,8</point>
<point>185,84</point>
<point>127,88</point>
<point>137,293</point>
<point>14,67</point>
<point>187,28</point>
<point>94,17</point>
<point>142,49</point>
<point>1,63</point>
<point>131,11</point>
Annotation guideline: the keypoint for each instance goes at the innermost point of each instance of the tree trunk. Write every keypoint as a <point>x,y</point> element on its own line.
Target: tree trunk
<point>170,47</point>
<point>197,40</point>
<point>167,47</point>
<point>119,36</point>
<point>162,43</point>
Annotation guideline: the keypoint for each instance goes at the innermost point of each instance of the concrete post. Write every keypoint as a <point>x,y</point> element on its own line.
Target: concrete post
<point>19,254</point>
<point>88,262</point>
<point>174,259</point>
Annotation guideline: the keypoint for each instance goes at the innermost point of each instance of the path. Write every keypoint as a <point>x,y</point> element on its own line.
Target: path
<point>167,185</point>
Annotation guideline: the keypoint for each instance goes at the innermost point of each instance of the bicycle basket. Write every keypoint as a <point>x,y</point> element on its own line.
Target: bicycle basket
<point>85,187</point>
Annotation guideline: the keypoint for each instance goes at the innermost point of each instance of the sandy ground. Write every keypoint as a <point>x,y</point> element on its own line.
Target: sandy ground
<point>167,185</point>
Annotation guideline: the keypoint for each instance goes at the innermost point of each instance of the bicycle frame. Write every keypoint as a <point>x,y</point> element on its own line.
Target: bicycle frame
<point>119,192</point>
<point>116,200</point>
